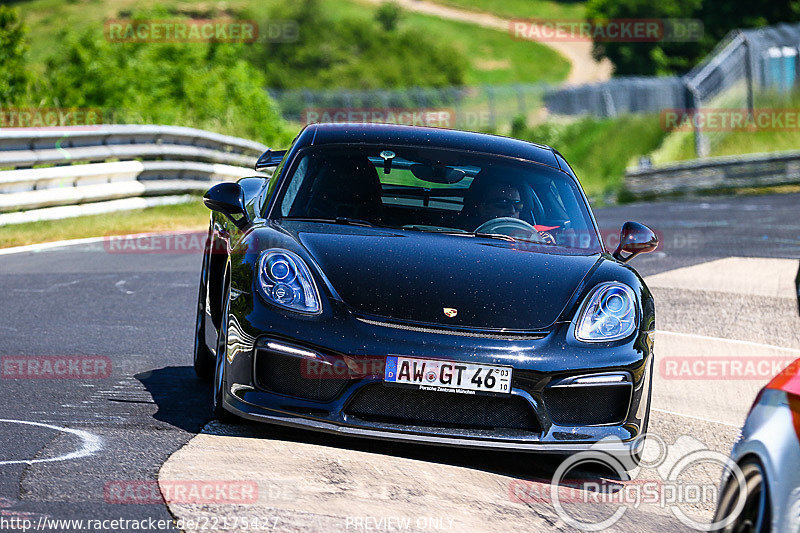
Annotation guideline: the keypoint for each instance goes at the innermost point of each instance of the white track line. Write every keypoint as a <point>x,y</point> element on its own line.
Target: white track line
<point>90,443</point>
<point>700,418</point>
<point>731,341</point>
<point>718,339</point>
<point>48,245</point>
<point>91,240</point>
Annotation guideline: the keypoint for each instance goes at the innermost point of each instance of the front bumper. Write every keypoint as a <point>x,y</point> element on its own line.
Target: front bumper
<point>249,412</point>
<point>539,364</point>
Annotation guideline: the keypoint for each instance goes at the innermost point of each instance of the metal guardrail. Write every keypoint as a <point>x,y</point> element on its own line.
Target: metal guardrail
<point>714,174</point>
<point>34,139</point>
<point>108,163</point>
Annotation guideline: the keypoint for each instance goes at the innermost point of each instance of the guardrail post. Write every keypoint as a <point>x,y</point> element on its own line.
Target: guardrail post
<point>700,143</point>
<point>456,97</point>
<point>492,110</point>
<point>748,74</point>
<point>608,103</point>
<point>521,107</point>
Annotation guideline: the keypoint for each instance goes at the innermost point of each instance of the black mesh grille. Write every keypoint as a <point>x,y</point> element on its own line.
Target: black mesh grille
<point>296,376</point>
<point>412,407</point>
<point>587,406</point>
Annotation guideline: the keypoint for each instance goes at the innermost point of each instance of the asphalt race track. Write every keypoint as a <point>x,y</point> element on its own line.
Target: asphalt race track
<point>66,445</point>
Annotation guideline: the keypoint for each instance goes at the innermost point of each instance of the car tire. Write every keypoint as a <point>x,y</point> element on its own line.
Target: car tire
<point>756,515</point>
<point>218,410</point>
<point>203,358</point>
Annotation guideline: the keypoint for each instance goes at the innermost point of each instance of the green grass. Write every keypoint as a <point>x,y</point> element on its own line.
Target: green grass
<point>680,145</point>
<point>538,9</point>
<point>496,58</point>
<point>600,150</point>
<point>188,216</point>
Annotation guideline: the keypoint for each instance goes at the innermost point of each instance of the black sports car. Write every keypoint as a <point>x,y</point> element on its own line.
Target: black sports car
<point>424,285</point>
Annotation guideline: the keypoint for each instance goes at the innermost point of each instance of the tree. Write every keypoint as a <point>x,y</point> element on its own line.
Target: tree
<point>721,17</point>
<point>717,17</point>
<point>388,15</point>
<point>14,78</point>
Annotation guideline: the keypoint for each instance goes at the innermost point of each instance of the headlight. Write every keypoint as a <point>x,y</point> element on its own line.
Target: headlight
<point>608,314</point>
<point>284,280</point>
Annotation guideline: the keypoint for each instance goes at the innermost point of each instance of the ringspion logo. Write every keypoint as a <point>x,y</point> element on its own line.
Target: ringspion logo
<point>676,487</point>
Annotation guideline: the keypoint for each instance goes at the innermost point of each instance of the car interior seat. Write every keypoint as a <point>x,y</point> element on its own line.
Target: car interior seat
<point>346,187</point>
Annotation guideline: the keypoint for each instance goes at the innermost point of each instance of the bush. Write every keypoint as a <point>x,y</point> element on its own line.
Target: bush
<point>205,85</point>
<point>518,126</point>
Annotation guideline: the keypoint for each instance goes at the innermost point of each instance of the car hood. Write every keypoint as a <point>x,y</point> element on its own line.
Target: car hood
<point>414,276</point>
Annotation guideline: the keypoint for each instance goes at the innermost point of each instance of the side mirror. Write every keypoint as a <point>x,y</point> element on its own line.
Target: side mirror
<point>251,186</point>
<point>228,199</point>
<point>635,239</point>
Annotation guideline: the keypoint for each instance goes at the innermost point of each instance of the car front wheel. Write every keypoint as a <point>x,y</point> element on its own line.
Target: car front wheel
<point>755,516</point>
<point>203,358</point>
<point>218,410</point>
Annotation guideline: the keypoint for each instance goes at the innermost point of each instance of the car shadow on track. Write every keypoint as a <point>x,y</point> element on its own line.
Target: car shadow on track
<point>181,397</point>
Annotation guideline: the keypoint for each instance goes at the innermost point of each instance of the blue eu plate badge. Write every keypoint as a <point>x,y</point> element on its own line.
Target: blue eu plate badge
<point>390,372</point>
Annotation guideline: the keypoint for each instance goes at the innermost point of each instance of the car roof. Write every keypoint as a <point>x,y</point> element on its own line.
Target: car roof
<point>327,133</point>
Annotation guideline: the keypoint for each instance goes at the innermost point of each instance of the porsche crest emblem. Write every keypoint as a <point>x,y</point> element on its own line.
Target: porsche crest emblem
<point>450,312</point>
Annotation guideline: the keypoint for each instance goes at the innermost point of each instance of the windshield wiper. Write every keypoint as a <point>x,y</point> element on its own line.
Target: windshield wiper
<point>435,229</point>
<point>504,237</point>
<point>338,220</point>
<point>494,236</point>
<point>354,221</point>
<point>462,233</point>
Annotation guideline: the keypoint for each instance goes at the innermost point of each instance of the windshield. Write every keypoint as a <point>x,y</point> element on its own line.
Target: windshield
<point>434,190</point>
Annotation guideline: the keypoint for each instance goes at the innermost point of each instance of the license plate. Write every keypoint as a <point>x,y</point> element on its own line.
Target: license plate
<point>447,376</point>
